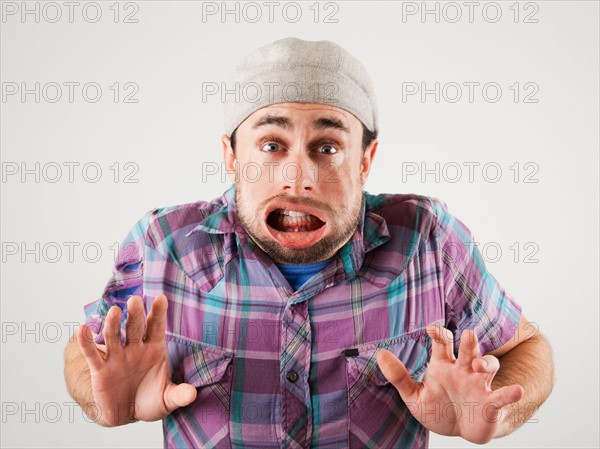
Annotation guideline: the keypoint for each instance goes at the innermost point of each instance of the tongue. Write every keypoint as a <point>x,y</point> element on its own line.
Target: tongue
<point>300,227</point>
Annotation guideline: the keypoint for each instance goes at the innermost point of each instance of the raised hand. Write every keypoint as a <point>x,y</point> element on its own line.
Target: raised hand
<point>455,397</point>
<point>132,382</point>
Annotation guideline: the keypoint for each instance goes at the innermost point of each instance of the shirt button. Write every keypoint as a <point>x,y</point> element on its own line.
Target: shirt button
<point>292,376</point>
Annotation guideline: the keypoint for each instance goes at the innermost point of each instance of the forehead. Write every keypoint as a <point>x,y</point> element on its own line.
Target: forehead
<point>290,115</point>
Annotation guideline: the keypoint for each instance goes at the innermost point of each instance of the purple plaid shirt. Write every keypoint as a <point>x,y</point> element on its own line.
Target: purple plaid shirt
<point>278,368</point>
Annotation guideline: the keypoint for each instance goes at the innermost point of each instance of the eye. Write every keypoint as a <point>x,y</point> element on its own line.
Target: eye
<point>270,147</point>
<point>327,149</point>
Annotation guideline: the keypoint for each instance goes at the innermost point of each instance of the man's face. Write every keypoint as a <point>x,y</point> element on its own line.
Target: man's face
<point>300,172</point>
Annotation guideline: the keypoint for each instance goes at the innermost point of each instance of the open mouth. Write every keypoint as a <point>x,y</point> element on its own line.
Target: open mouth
<point>284,220</point>
<point>295,226</point>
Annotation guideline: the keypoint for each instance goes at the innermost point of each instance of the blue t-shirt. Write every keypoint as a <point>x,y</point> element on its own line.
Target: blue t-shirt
<point>298,273</point>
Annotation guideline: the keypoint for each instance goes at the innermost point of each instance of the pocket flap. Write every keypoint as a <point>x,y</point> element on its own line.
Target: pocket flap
<point>410,348</point>
<point>205,365</point>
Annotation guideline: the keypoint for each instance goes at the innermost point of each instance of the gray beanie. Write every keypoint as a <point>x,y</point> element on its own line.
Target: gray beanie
<point>293,70</point>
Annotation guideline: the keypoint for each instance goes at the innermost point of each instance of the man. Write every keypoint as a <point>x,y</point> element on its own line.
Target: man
<point>299,310</point>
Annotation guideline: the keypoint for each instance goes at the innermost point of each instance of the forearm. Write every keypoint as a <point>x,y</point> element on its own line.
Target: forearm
<point>530,364</point>
<point>79,383</point>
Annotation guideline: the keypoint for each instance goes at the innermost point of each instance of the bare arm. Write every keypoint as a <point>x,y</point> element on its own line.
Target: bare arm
<point>529,364</point>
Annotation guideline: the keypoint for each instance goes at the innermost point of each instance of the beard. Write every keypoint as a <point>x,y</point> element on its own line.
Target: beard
<point>342,224</point>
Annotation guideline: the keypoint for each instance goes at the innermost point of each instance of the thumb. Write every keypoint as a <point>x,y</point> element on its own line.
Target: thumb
<point>395,371</point>
<point>507,395</point>
<point>179,395</point>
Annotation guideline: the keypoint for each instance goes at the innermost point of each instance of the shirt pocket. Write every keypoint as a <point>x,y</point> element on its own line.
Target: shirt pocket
<point>209,369</point>
<point>205,366</point>
<point>206,421</point>
<point>377,415</point>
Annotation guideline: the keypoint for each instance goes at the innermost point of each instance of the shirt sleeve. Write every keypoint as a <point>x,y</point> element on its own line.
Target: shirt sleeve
<point>126,280</point>
<point>474,299</point>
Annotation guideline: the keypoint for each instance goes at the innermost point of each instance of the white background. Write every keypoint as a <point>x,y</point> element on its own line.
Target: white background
<point>170,133</point>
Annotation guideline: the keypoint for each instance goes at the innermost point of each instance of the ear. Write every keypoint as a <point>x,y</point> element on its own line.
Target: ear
<point>229,158</point>
<point>367,159</point>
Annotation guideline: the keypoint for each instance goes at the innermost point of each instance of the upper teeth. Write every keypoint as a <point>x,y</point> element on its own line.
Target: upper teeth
<point>291,213</point>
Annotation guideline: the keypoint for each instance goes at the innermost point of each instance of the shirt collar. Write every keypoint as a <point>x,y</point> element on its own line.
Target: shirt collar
<point>223,220</point>
<point>371,232</point>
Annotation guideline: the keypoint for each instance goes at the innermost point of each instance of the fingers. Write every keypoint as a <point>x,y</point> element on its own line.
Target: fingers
<point>134,327</point>
<point>179,396</point>
<point>395,371</point>
<point>88,347</point>
<point>112,330</point>
<point>488,365</point>
<point>157,320</point>
<point>507,395</point>
<point>468,349</point>
<point>442,346</point>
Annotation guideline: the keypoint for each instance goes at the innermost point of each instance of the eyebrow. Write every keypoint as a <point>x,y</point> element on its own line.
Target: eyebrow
<point>328,122</point>
<point>278,120</point>
<point>285,123</point>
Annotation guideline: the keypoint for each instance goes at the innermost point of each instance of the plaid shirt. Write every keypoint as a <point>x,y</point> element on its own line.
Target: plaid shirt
<point>278,368</point>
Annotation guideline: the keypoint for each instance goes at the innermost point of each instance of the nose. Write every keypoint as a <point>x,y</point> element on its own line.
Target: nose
<point>298,175</point>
